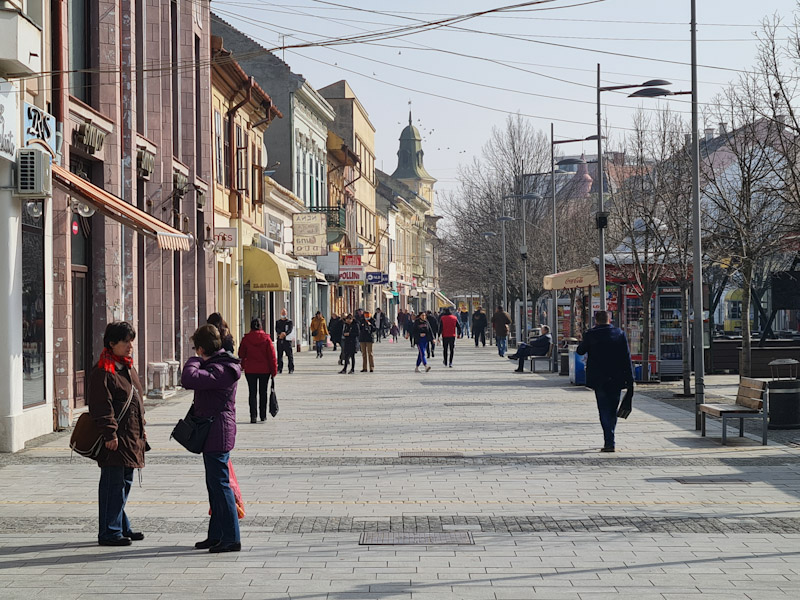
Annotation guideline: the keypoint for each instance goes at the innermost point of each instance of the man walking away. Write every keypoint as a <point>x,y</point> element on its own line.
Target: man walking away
<point>434,324</point>
<point>463,316</point>
<point>283,328</point>
<point>367,337</point>
<point>450,326</point>
<point>479,324</point>
<point>335,330</point>
<point>501,321</point>
<point>349,340</point>
<point>608,371</point>
<point>538,347</point>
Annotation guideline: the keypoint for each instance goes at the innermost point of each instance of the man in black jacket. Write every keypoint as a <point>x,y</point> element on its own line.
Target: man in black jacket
<point>434,323</point>
<point>366,337</point>
<point>283,328</point>
<point>350,333</point>
<point>479,323</point>
<point>608,371</point>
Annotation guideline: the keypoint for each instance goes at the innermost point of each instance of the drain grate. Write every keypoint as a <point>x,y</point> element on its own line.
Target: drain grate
<point>467,403</point>
<point>710,481</point>
<point>431,454</point>
<point>375,538</point>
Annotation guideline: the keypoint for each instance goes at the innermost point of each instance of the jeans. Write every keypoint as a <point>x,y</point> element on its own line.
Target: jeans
<point>502,345</point>
<point>285,346</point>
<point>480,334</point>
<point>422,345</point>
<point>224,522</point>
<point>607,404</point>
<point>465,329</point>
<point>115,486</point>
<point>319,346</point>
<point>448,343</point>
<point>366,356</point>
<point>257,384</point>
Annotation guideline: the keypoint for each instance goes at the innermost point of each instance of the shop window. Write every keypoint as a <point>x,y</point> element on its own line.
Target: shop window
<point>33,319</point>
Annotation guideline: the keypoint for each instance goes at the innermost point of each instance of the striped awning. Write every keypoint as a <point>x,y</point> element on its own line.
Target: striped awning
<point>168,238</point>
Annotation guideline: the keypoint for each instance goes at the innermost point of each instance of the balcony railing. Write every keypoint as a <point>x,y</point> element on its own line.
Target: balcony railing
<point>336,215</point>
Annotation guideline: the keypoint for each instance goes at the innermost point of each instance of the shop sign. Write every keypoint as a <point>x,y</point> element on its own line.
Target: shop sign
<point>353,260</point>
<point>226,237</point>
<point>9,120</point>
<point>374,277</point>
<point>351,275</point>
<point>310,234</point>
<point>384,279</point>
<point>39,129</point>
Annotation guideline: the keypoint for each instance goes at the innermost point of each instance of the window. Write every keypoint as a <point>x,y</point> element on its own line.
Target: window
<point>219,150</point>
<point>79,50</point>
<point>226,141</point>
<point>311,182</point>
<point>141,82</point>
<point>33,321</point>
<point>176,99</point>
<point>241,160</point>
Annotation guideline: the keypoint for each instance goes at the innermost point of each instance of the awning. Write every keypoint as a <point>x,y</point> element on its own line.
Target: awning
<point>388,295</point>
<point>115,208</point>
<point>320,276</point>
<point>576,278</point>
<point>264,271</point>
<point>302,272</point>
<point>442,300</point>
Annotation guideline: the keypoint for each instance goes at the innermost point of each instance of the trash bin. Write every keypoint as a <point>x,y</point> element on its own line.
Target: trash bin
<point>784,395</point>
<point>564,366</point>
<point>577,366</point>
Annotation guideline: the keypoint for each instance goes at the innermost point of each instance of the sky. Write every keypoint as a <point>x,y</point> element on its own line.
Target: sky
<point>463,79</point>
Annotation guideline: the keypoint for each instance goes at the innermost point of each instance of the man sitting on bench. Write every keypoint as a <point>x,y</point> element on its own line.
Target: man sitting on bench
<point>538,347</point>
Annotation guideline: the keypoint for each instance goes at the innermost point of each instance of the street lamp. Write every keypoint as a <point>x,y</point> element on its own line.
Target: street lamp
<point>566,161</point>
<point>503,220</point>
<point>524,254</point>
<point>602,217</point>
<point>487,236</point>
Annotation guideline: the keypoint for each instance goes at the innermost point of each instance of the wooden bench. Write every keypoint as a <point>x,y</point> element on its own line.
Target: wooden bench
<point>547,357</point>
<point>752,402</point>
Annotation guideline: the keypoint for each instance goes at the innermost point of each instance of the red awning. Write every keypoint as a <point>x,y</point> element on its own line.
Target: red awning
<point>168,238</point>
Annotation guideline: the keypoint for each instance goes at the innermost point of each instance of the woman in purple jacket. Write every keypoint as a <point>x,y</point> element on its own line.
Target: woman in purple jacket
<point>213,375</point>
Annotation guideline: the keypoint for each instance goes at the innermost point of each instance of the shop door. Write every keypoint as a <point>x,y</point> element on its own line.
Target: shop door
<point>80,335</point>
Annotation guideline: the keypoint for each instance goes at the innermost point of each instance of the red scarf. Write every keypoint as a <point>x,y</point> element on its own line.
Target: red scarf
<point>108,361</point>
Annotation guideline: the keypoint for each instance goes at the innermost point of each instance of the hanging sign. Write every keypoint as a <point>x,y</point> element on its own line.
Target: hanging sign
<point>310,234</point>
<point>9,120</point>
<point>39,129</point>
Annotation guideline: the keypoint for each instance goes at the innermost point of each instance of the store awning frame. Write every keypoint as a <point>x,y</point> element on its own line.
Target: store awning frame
<point>442,300</point>
<point>574,278</point>
<point>264,271</point>
<point>168,238</point>
<point>302,272</point>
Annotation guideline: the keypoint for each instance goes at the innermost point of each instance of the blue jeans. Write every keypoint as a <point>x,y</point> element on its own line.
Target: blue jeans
<point>224,523</point>
<point>115,486</point>
<point>607,404</point>
<point>422,344</point>
<point>465,329</point>
<point>319,346</point>
<point>502,345</point>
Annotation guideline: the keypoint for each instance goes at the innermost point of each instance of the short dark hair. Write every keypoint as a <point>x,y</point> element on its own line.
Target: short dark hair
<point>208,339</point>
<point>601,317</point>
<point>118,331</point>
<point>446,311</point>
<point>255,324</point>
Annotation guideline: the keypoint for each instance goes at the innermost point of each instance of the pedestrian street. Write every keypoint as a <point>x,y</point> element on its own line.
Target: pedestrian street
<point>495,476</point>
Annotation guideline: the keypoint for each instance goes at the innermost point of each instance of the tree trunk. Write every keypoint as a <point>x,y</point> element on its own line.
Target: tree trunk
<point>685,341</point>
<point>747,280</point>
<point>647,299</point>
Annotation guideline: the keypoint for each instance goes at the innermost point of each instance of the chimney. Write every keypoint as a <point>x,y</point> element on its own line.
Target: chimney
<point>709,133</point>
<point>723,128</point>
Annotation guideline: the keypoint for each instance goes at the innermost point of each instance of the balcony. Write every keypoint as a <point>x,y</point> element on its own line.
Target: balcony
<point>20,43</point>
<point>336,215</point>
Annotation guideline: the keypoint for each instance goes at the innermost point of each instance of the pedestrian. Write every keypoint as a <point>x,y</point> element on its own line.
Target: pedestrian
<point>463,316</point>
<point>213,375</point>
<point>366,337</point>
<point>395,331</point>
<point>539,346</point>
<point>434,323</point>
<point>258,363</point>
<point>450,327</point>
<point>381,324</point>
<point>283,330</point>
<point>113,385</point>
<point>479,324</point>
<point>350,333</point>
<point>408,327</point>
<point>501,321</point>
<point>421,332</point>
<point>217,321</point>
<point>335,331</point>
<point>319,332</point>
<point>608,371</point>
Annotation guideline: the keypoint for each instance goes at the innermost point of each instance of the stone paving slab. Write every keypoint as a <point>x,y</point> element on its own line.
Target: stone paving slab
<point>550,517</point>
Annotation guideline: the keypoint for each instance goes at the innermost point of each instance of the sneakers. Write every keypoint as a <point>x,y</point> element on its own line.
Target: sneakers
<point>607,449</point>
<point>352,371</point>
<point>343,371</point>
<point>427,368</point>
<point>416,370</point>
<point>450,365</point>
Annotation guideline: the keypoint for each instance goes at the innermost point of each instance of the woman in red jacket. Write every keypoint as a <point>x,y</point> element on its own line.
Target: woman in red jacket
<point>258,362</point>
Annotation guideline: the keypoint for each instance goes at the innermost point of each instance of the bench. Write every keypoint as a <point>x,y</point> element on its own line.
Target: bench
<point>547,358</point>
<point>752,402</point>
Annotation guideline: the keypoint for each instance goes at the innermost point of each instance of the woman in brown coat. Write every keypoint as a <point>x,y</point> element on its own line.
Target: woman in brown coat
<point>116,405</point>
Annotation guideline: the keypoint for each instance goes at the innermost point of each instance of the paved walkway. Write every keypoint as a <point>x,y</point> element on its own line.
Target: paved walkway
<point>540,513</point>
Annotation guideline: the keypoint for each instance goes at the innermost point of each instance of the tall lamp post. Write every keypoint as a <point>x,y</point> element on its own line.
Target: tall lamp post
<point>503,220</point>
<point>523,250</point>
<point>568,161</point>
<point>487,236</point>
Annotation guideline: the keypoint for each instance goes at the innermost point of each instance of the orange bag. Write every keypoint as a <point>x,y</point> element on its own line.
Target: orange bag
<point>237,493</point>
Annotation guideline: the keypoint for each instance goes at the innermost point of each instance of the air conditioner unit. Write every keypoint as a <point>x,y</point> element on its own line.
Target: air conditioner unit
<point>34,174</point>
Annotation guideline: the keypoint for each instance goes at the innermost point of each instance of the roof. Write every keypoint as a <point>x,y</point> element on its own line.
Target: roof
<point>410,155</point>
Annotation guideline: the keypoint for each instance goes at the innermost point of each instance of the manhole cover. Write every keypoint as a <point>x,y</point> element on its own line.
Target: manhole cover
<point>430,454</point>
<point>376,538</point>
<point>709,481</point>
<point>467,403</point>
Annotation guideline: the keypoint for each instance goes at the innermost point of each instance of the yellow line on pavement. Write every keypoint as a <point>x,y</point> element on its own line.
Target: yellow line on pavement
<point>643,452</point>
<point>427,502</point>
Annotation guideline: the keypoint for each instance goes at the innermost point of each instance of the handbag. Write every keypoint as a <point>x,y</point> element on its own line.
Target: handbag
<point>191,431</point>
<point>626,405</point>
<point>273,400</point>
<point>86,438</point>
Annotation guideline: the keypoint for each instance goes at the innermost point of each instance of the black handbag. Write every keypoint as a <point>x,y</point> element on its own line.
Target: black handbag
<point>273,400</point>
<point>626,405</point>
<point>191,431</point>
